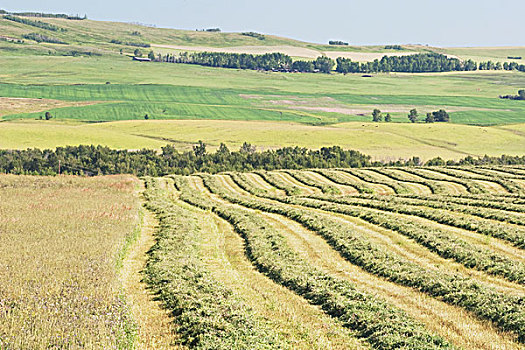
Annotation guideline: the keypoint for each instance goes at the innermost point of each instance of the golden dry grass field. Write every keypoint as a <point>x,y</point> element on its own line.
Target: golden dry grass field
<point>61,244</point>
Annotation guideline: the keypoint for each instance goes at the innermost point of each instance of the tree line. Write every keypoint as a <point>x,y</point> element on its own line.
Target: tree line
<point>37,24</point>
<point>100,160</point>
<point>130,43</point>
<point>417,63</point>
<point>520,96</point>
<point>420,63</point>
<point>269,61</point>
<point>39,38</point>
<point>44,15</point>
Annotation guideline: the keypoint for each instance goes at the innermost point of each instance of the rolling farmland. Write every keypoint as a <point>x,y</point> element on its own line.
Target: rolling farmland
<point>395,258</point>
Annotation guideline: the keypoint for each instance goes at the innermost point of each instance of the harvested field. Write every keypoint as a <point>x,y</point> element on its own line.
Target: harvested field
<point>59,261</point>
<point>390,235</point>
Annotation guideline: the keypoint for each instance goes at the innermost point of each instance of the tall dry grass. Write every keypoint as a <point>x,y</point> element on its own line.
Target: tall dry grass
<point>60,239</point>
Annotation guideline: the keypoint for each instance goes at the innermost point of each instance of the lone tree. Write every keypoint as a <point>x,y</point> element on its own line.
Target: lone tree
<point>146,117</point>
<point>376,115</point>
<point>388,118</point>
<point>429,118</point>
<point>521,94</point>
<point>137,53</point>
<point>48,115</point>
<point>413,115</point>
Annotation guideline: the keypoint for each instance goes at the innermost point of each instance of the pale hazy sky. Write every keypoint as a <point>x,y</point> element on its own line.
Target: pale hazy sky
<point>433,22</point>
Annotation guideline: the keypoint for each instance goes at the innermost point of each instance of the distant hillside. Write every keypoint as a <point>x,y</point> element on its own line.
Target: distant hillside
<point>99,37</point>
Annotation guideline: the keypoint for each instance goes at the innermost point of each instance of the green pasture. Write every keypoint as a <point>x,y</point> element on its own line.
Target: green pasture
<point>307,98</point>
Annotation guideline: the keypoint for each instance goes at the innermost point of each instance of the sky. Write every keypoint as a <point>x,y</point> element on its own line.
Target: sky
<point>436,23</point>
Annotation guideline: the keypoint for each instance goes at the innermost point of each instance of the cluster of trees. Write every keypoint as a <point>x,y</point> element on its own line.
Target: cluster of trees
<point>129,43</point>
<point>485,160</point>
<point>44,15</point>
<point>418,63</point>
<point>217,30</point>
<point>269,61</point>
<point>39,38</point>
<point>413,116</point>
<point>254,35</point>
<point>394,47</point>
<point>38,24</point>
<point>520,96</point>
<point>377,116</point>
<point>337,42</point>
<point>437,116</point>
<point>514,66</point>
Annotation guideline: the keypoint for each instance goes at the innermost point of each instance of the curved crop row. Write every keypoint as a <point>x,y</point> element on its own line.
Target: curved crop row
<point>470,185</point>
<point>507,312</point>
<point>506,183</point>
<point>277,182</point>
<point>435,239</point>
<point>397,187</point>
<point>382,325</point>
<point>341,180</point>
<point>439,213</point>
<point>473,201</point>
<point>207,314</point>
<point>435,186</point>
<point>520,172</point>
<point>304,179</point>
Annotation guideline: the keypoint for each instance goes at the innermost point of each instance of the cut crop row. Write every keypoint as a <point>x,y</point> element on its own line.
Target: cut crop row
<point>382,325</point>
<point>506,183</point>
<point>470,185</point>
<point>343,180</point>
<point>397,187</point>
<point>447,214</point>
<point>306,180</point>
<point>206,313</point>
<point>506,311</point>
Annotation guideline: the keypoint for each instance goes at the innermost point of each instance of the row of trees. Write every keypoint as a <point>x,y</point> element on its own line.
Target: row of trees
<point>39,38</point>
<point>130,43</point>
<point>44,15</point>
<point>37,24</point>
<point>431,117</point>
<point>413,116</point>
<point>99,160</point>
<point>418,63</point>
<point>269,61</point>
<point>520,96</point>
<point>338,43</point>
<point>254,35</point>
